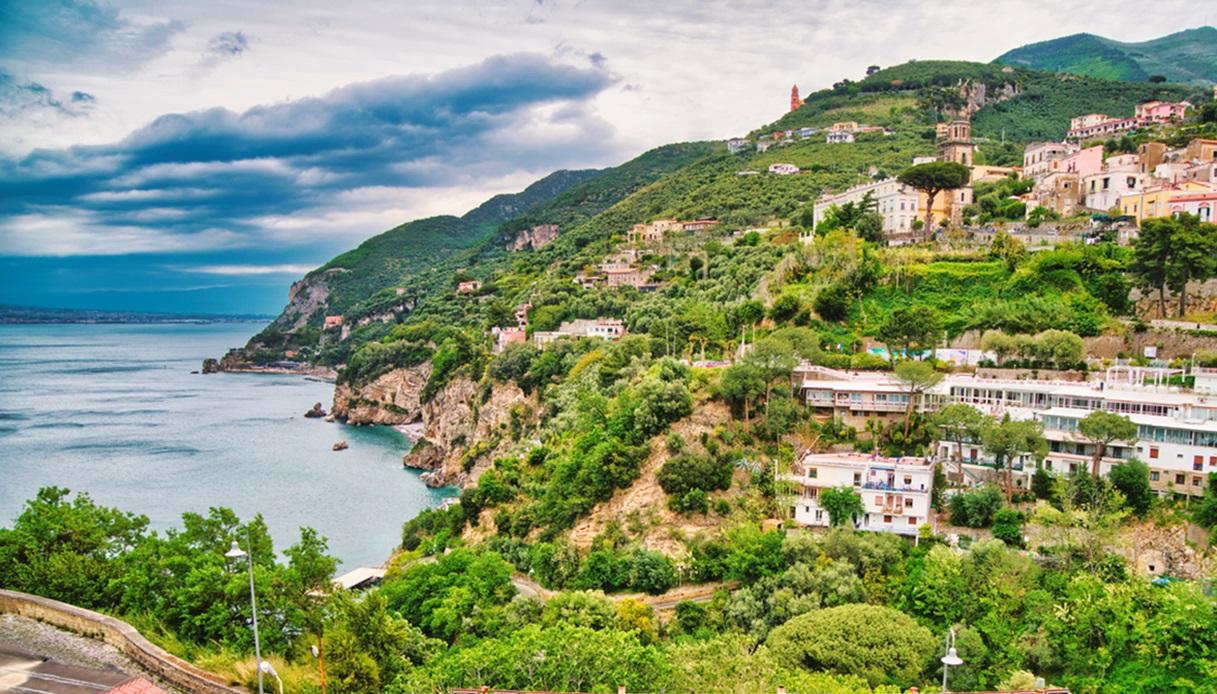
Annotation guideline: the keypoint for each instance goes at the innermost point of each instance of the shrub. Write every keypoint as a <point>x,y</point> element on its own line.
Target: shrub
<point>1008,527</point>
<point>975,509</point>
<point>881,644</point>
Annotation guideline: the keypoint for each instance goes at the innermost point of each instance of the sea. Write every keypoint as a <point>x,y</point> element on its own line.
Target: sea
<point>115,411</point>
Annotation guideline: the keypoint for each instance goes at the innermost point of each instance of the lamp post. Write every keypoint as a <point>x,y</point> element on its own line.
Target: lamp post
<point>270,669</point>
<point>236,553</point>
<point>950,659</point>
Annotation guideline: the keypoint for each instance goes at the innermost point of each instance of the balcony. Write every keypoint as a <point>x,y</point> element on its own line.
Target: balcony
<point>884,486</point>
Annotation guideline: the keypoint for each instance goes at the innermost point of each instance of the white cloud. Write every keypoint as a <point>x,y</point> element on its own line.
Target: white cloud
<point>74,233</point>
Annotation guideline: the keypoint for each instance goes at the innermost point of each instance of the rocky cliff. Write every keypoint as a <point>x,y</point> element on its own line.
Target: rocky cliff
<point>464,426</point>
<point>392,398</point>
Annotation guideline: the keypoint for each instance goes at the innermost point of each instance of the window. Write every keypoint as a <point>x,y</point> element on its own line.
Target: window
<point>1213,461</point>
<point>912,520</point>
<point>1196,481</point>
<point>908,501</point>
<point>1153,476</point>
<point>857,478</point>
<point>908,479</point>
<point>1179,479</point>
<point>1197,463</point>
<point>887,519</point>
<point>812,472</point>
<point>1153,452</point>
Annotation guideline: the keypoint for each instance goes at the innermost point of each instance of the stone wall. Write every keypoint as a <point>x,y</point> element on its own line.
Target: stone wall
<point>162,665</point>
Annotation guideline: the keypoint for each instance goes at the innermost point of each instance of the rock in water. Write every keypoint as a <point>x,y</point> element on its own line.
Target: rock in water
<point>211,366</point>
<point>341,446</point>
<point>316,413</point>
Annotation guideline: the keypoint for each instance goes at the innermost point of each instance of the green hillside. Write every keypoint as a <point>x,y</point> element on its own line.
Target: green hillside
<point>1187,56</point>
<point>385,259</point>
<point>1023,104</point>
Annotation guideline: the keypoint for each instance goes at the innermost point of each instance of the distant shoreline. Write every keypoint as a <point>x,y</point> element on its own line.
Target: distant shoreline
<point>34,315</point>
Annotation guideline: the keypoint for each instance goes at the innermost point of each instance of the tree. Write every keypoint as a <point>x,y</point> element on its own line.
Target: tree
<point>999,343</point>
<point>916,377</point>
<point>909,330</point>
<point>832,302</point>
<point>1206,511</point>
<point>1007,439</point>
<point>1009,249</point>
<point>976,508</point>
<point>1172,251</point>
<point>1008,527</point>
<point>742,384</point>
<point>883,645</point>
<point>774,360</point>
<point>1195,256</point>
<point>958,423</point>
<point>1101,429</point>
<point>842,504</point>
<point>1132,479</point>
<point>1061,348</point>
<point>932,178</point>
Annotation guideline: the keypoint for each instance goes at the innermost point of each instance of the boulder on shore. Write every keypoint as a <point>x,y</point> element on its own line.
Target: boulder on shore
<point>316,413</point>
<point>341,446</point>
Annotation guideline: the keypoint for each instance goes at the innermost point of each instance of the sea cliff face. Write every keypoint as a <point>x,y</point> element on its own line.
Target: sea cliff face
<point>465,426</point>
<point>391,398</point>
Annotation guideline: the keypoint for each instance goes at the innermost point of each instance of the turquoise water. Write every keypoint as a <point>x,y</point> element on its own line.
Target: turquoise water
<point>114,411</point>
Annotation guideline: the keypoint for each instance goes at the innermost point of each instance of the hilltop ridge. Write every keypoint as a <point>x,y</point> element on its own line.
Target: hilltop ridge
<point>1188,56</point>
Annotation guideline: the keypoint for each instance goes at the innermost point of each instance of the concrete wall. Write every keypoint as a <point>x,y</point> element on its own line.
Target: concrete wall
<point>168,668</point>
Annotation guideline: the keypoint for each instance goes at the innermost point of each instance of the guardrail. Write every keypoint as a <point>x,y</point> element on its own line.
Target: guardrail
<point>169,668</point>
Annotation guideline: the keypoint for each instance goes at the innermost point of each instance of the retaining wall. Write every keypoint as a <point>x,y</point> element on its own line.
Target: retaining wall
<point>169,668</point>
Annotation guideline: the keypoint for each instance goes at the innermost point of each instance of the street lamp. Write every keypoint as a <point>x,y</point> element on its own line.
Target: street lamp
<point>950,659</point>
<point>270,670</point>
<point>236,553</point>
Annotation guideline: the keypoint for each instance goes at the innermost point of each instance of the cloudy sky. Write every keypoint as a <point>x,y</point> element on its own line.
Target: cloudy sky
<point>162,155</point>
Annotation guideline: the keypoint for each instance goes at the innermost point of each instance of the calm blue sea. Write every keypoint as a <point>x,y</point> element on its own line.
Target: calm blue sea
<point>114,411</point>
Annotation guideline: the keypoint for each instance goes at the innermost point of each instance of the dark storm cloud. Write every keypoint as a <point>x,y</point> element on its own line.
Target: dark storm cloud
<point>217,172</point>
<point>85,34</point>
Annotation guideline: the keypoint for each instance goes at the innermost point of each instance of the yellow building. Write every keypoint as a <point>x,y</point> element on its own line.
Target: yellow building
<point>1155,201</point>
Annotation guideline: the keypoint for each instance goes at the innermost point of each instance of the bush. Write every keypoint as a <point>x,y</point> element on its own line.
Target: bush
<point>832,302</point>
<point>975,509</point>
<point>692,501</point>
<point>1008,527</point>
<point>1132,479</point>
<point>881,644</point>
<point>687,472</point>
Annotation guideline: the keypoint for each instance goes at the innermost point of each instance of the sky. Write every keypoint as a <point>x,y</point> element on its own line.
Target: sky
<point>201,156</point>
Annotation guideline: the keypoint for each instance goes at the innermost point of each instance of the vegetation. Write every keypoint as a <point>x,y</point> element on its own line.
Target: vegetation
<point>1185,56</point>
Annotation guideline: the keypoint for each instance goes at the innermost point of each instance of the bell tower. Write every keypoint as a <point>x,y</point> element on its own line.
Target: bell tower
<point>955,142</point>
<point>795,101</point>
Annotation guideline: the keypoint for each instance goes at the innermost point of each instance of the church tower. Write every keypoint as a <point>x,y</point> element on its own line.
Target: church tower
<point>795,101</point>
<point>955,142</point>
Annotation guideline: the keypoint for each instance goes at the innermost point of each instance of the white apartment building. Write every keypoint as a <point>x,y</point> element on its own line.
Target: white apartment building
<point>895,491</point>
<point>1102,191</point>
<point>1177,429</point>
<point>1038,157</point>
<point>896,202</point>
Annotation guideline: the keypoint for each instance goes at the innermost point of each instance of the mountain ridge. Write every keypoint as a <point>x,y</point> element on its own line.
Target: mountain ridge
<point>1188,56</point>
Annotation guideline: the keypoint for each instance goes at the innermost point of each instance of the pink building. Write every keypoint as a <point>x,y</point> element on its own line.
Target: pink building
<point>332,322</point>
<point>1161,111</point>
<point>1084,162</point>
<point>1200,203</point>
